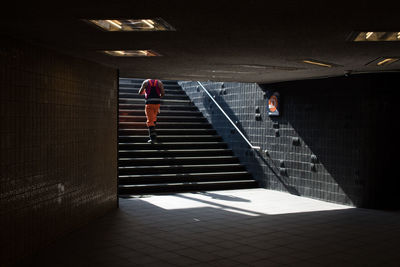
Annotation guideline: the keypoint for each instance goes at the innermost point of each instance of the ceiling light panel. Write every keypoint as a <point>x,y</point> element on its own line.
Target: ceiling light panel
<point>319,63</point>
<point>387,61</point>
<point>384,61</point>
<point>267,67</point>
<point>132,53</point>
<point>115,25</point>
<point>376,36</point>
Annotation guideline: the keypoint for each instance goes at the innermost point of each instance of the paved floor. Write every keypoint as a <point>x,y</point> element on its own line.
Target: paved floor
<point>254,227</point>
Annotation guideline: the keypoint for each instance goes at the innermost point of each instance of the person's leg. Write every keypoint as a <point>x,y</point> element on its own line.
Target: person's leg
<point>151,116</point>
<point>152,134</point>
<point>155,109</point>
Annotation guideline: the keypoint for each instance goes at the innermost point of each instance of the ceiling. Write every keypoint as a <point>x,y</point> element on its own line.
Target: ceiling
<point>246,41</point>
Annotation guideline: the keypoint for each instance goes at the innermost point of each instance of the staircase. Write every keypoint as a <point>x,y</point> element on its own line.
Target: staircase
<point>188,155</point>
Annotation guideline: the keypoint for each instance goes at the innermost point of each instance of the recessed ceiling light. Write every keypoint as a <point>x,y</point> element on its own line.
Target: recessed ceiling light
<point>267,67</point>
<point>387,61</point>
<point>383,61</point>
<point>155,24</point>
<point>319,63</point>
<point>227,71</point>
<point>132,53</point>
<point>375,36</point>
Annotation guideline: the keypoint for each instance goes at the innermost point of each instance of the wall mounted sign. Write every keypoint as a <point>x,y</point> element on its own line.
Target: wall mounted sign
<point>273,104</point>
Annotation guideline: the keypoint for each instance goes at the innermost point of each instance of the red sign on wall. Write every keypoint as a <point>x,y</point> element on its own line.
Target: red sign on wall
<point>273,105</point>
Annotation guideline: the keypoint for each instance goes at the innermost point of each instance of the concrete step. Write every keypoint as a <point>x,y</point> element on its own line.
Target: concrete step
<point>165,106</point>
<point>135,90</point>
<point>166,96</point>
<point>140,112</point>
<point>171,145</point>
<point>168,132</point>
<point>163,101</point>
<point>179,169</point>
<point>183,177</point>
<point>139,84</point>
<point>136,87</point>
<point>161,161</point>
<point>124,118</point>
<point>166,125</point>
<point>139,189</point>
<point>170,138</point>
<point>198,152</point>
<point>140,81</point>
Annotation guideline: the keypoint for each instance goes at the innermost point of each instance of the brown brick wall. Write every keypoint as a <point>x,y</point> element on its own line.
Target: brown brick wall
<point>58,152</point>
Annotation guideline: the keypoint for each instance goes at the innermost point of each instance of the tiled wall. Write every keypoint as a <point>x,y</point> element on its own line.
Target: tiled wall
<point>324,145</point>
<point>58,153</point>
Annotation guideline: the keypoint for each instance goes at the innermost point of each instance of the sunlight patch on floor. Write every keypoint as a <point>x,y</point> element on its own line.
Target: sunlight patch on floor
<point>251,202</point>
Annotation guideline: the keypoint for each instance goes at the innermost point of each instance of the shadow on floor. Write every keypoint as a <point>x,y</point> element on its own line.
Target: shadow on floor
<point>223,197</point>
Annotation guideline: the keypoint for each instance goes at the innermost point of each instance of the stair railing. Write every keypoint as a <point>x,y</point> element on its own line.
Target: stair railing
<point>229,119</point>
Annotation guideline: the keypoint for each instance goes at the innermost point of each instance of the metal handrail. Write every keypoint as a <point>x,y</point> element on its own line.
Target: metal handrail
<point>229,119</point>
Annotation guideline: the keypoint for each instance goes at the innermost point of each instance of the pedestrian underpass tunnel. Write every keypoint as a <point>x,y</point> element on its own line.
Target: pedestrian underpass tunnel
<point>279,98</point>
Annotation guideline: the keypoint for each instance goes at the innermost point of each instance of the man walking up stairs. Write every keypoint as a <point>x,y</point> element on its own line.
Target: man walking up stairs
<point>153,90</point>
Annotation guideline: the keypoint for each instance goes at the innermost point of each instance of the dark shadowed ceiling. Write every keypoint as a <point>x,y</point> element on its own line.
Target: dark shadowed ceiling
<point>245,41</point>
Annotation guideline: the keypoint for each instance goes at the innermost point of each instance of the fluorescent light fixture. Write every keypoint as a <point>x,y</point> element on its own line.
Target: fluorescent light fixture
<point>383,61</point>
<point>149,23</point>
<point>318,63</point>
<point>113,25</point>
<point>387,61</point>
<point>368,34</point>
<point>228,71</point>
<point>375,36</point>
<point>132,53</point>
<point>267,67</point>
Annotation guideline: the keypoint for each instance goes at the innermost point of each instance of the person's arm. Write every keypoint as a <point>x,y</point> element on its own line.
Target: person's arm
<point>143,88</point>
<point>160,84</point>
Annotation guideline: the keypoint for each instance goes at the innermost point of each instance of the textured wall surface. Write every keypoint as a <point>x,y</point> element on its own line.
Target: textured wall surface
<point>58,153</point>
<point>330,141</point>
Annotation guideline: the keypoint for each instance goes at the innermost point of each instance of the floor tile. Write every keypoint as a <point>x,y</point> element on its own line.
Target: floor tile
<point>251,227</point>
